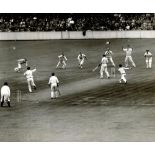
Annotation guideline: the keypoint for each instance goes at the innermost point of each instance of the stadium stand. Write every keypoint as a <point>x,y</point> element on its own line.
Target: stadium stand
<point>76,22</point>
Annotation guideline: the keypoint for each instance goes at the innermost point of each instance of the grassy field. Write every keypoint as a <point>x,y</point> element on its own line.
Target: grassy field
<point>81,89</point>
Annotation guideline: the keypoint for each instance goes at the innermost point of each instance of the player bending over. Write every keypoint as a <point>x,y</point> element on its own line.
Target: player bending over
<point>128,57</point>
<point>21,62</point>
<point>5,94</point>
<point>109,54</point>
<point>148,59</point>
<point>54,83</point>
<point>29,77</point>
<point>103,65</point>
<point>123,73</point>
<point>62,61</point>
<point>81,58</point>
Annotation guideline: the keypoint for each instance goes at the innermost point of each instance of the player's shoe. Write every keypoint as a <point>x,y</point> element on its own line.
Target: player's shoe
<point>35,87</point>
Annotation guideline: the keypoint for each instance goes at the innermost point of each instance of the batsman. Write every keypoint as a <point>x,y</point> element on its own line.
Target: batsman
<point>54,84</point>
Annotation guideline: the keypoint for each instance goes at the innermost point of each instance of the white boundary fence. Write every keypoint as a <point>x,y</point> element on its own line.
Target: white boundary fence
<point>75,35</point>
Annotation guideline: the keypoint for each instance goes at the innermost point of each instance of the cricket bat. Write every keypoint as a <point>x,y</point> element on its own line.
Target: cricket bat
<point>95,69</point>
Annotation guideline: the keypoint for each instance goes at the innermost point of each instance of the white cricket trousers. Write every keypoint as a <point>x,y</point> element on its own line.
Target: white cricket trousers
<point>81,62</point>
<point>104,69</point>
<point>63,63</point>
<point>111,60</point>
<point>5,97</point>
<point>123,78</point>
<point>54,92</point>
<point>127,59</point>
<point>148,62</point>
<point>30,83</point>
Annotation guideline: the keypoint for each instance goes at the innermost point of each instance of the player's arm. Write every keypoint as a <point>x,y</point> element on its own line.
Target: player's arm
<point>26,63</point>
<point>34,70</point>
<point>57,81</point>
<point>65,58</point>
<point>145,55</point>
<point>24,73</point>
<point>127,68</point>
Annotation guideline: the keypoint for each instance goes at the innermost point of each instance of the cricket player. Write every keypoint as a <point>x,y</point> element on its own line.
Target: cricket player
<point>148,59</point>
<point>5,94</point>
<point>123,73</point>
<point>20,62</point>
<point>53,83</point>
<point>103,65</point>
<point>109,54</point>
<point>62,61</point>
<point>81,58</point>
<point>128,57</point>
<point>29,77</point>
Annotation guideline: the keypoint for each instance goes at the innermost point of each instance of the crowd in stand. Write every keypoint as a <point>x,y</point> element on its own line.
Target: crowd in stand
<point>76,22</point>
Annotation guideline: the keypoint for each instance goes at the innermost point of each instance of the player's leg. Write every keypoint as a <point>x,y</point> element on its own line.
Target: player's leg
<point>29,85</point>
<point>147,63</point>
<point>126,61</point>
<point>64,65</point>
<point>58,64</point>
<point>82,62</point>
<point>132,62</point>
<point>2,100</point>
<point>106,72</point>
<point>33,84</point>
<point>52,92</point>
<point>123,78</point>
<point>8,99</point>
<point>150,63</point>
<point>112,62</point>
<point>101,71</point>
<point>19,67</point>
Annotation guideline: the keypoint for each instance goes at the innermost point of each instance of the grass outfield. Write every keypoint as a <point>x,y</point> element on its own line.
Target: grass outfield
<point>90,109</point>
<point>74,81</point>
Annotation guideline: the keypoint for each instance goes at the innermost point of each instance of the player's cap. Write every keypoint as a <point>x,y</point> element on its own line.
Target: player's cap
<point>5,83</point>
<point>120,65</point>
<point>147,50</point>
<point>53,74</point>
<point>104,55</point>
<point>28,68</point>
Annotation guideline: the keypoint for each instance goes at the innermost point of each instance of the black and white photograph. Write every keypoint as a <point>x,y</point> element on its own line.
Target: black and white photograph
<point>77,76</point>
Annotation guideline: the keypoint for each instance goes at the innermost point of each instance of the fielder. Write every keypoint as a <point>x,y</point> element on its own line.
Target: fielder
<point>62,61</point>
<point>109,54</point>
<point>20,62</point>
<point>29,77</point>
<point>148,59</point>
<point>128,57</point>
<point>5,94</point>
<point>123,73</point>
<point>81,58</point>
<point>103,65</point>
<point>54,83</point>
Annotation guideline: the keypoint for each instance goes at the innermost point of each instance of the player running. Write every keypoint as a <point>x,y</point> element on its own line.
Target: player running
<point>21,62</point>
<point>54,83</point>
<point>29,77</point>
<point>81,58</point>
<point>128,57</point>
<point>5,94</point>
<point>103,65</point>
<point>109,54</point>
<point>62,61</point>
<point>123,73</point>
<point>148,59</point>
